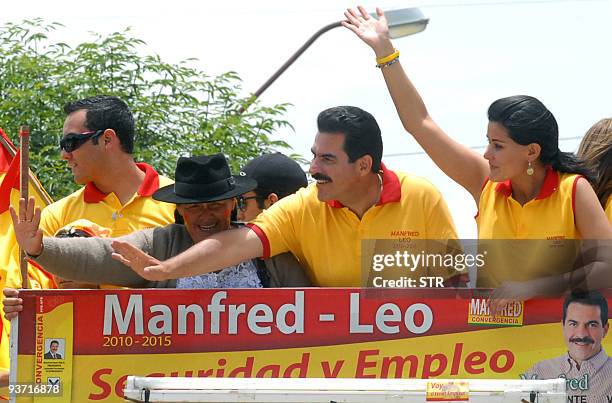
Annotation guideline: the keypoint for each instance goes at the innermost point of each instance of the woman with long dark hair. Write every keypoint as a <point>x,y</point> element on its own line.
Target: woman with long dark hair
<point>524,186</point>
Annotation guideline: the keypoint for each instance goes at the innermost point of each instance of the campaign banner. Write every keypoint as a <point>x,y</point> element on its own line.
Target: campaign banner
<point>300,333</point>
<point>53,346</point>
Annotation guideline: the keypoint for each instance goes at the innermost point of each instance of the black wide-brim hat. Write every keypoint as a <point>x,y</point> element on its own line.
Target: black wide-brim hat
<point>203,179</point>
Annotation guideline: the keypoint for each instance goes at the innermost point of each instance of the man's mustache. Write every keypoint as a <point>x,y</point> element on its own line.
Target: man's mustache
<point>321,177</point>
<point>585,339</point>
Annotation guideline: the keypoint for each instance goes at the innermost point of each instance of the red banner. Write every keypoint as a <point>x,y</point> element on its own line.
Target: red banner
<point>374,333</point>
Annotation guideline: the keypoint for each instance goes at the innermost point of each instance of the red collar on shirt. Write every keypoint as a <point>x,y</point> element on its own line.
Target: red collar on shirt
<point>551,183</point>
<point>391,192</point>
<point>148,186</point>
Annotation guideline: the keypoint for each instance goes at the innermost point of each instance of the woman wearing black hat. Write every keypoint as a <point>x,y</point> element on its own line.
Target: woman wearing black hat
<point>204,194</point>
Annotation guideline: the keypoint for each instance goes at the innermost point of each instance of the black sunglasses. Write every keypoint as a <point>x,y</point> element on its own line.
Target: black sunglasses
<point>72,141</point>
<point>242,202</point>
<point>72,233</point>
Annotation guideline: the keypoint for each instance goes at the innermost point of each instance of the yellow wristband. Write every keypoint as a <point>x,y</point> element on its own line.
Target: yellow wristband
<point>387,59</point>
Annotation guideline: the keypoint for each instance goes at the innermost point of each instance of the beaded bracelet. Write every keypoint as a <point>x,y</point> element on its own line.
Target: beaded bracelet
<point>389,63</point>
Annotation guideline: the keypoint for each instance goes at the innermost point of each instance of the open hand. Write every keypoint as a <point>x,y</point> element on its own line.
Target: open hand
<point>25,224</point>
<point>374,32</point>
<point>144,265</point>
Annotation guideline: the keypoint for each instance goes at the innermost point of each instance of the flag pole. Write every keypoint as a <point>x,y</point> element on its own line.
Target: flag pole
<point>24,176</point>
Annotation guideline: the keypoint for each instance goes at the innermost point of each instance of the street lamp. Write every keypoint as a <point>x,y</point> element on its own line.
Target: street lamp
<point>402,22</point>
<point>405,21</point>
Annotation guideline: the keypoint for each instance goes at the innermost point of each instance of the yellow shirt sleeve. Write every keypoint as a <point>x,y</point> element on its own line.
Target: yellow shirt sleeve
<point>279,226</point>
<point>440,223</point>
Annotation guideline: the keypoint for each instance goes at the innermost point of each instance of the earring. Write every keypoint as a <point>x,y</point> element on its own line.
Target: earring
<point>530,169</point>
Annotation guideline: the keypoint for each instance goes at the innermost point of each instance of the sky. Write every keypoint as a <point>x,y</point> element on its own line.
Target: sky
<point>472,53</point>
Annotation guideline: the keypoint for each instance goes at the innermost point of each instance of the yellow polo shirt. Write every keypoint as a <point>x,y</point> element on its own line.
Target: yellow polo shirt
<point>529,241</point>
<point>327,237</point>
<point>140,212</point>
<point>549,216</point>
<point>608,209</point>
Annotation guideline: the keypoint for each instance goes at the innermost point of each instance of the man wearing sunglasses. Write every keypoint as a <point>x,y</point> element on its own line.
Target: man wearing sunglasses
<point>97,145</point>
<point>277,176</point>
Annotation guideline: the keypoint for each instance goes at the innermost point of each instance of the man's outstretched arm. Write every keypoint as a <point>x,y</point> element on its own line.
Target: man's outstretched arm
<point>217,252</point>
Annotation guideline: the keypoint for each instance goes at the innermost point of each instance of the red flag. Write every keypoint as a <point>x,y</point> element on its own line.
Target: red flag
<point>5,155</point>
<point>10,182</point>
<point>10,274</point>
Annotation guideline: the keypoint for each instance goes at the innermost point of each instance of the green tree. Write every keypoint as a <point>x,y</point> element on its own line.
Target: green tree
<point>179,110</point>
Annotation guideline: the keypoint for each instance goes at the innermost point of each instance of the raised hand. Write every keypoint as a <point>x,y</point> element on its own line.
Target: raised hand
<point>144,265</point>
<point>374,32</point>
<point>28,235</point>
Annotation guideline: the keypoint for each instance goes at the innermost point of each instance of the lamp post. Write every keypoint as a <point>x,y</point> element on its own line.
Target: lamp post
<point>402,22</point>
